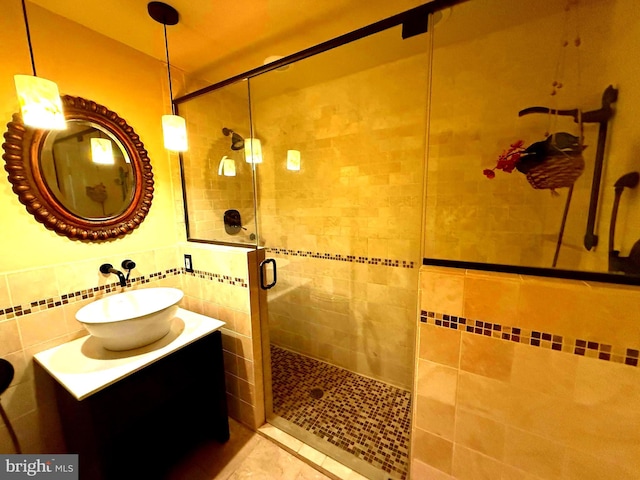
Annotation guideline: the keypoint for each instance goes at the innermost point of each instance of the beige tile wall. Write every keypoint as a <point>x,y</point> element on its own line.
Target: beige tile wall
<point>488,408</point>
<point>237,305</point>
<point>29,401</point>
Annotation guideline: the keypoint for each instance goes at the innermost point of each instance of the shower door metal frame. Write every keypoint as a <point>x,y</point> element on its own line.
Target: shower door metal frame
<point>407,19</point>
<point>414,21</point>
<point>399,19</point>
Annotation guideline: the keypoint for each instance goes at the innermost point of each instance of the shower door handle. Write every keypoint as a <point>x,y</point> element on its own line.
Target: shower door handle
<point>263,275</point>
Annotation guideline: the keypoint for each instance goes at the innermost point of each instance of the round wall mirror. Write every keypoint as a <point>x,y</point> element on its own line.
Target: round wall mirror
<point>91,181</point>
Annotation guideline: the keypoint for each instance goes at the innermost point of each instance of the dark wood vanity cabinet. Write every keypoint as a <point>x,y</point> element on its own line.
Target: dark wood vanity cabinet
<point>137,427</point>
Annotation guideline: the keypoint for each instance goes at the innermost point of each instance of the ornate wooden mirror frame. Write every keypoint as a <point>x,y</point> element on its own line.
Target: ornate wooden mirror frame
<point>22,150</point>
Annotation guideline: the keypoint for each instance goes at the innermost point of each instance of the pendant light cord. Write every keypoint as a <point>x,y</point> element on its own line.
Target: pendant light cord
<point>166,49</point>
<point>26,24</point>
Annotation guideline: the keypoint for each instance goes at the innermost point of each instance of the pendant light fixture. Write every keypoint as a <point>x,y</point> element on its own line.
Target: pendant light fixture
<point>102,151</point>
<point>253,150</point>
<point>293,160</point>
<point>174,127</point>
<point>227,167</point>
<point>39,98</point>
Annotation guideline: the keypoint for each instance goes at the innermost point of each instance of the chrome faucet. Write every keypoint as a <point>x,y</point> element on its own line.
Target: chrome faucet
<point>107,268</point>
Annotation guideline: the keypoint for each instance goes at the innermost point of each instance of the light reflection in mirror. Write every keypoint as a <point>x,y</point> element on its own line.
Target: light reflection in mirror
<point>83,186</point>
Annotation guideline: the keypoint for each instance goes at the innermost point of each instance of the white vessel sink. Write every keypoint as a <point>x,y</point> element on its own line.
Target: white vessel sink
<point>132,319</point>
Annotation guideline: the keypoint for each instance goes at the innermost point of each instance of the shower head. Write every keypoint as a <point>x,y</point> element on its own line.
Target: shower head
<point>237,142</point>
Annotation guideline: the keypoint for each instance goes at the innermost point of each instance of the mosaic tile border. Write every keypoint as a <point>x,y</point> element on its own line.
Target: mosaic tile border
<point>219,277</point>
<point>385,262</point>
<point>575,346</point>
<point>35,306</point>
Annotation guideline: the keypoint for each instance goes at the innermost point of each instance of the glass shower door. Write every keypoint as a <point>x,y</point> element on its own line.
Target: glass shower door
<point>339,207</point>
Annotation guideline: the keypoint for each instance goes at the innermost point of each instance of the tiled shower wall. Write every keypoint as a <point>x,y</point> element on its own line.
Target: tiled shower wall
<point>345,229</point>
<point>353,313</point>
<point>37,309</point>
<point>525,378</point>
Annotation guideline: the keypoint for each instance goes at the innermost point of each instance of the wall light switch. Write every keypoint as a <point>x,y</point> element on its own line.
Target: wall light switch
<point>188,265</point>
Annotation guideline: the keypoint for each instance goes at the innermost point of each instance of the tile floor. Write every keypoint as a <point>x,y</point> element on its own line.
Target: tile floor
<point>247,455</point>
<point>368,419</point>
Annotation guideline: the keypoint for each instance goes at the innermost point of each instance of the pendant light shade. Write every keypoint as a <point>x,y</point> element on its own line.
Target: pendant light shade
<point>253,150</point>
<point>293,160</point>
<point>40,102</point>
<point>174,127</point>
<point>39,98</point>
<point>227,167</point>
<point>174,131</point>
<point>102,151</point>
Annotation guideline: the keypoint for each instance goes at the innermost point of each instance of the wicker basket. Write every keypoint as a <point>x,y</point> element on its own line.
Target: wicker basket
<point>556,171</point>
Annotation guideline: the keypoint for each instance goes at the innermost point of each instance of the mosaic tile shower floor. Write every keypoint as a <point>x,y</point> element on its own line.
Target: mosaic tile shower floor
<point>367,418</point>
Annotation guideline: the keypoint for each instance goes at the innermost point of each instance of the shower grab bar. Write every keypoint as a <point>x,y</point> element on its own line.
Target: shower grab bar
<point>263,266</point>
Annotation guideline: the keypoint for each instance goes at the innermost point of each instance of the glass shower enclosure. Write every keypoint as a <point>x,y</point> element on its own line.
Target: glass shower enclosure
<point>320,162</point>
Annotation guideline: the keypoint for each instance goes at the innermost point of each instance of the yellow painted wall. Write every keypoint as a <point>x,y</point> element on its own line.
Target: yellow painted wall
<point>89,65</point>
<point>37,265</point>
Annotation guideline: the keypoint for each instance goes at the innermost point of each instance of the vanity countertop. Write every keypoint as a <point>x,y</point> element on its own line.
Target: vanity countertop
<point>84,367</point>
